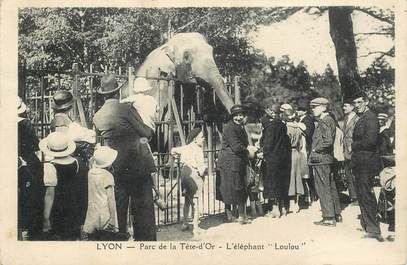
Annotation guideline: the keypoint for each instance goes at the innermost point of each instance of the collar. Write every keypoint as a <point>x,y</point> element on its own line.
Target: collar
<point>323,115</point>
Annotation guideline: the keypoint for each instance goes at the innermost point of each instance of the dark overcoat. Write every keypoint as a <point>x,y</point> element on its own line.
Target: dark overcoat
<point>232,163</point>
<point>365,158</point>
<point>123,130</point>
<point>322,142</point>
<point>276,146</point>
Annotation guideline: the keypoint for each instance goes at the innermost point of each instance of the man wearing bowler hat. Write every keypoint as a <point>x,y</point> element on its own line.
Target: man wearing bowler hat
<point>62,103</point>
<point>366,164</point>
<point>321,159</point>
<point>122,129</point>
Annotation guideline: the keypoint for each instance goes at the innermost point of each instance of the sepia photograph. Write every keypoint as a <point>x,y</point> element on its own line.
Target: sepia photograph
<point>189,130</point>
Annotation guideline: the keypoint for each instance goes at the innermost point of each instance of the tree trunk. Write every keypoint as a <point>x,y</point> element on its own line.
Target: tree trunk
<point>341,30</point>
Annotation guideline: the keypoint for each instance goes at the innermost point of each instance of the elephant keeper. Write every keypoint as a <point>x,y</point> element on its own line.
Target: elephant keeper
<point>122,129</point>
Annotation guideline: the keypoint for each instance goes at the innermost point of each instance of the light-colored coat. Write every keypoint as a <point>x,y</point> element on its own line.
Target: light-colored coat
<point>347,129</point>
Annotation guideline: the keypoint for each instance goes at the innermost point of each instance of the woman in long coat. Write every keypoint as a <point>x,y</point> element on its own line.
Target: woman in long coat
<point>233,161</point>
<point>294,133</point>
<point>277,161</point>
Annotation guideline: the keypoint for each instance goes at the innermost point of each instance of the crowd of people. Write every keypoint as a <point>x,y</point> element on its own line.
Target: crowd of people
<point>70,188</point>
<point>304,155</point>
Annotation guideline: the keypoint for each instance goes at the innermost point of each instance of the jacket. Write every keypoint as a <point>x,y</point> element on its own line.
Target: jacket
<point>233,154</point>
<point>322,142</point>
<point>365,158</point>
<point>347,128</point>
<point>123,130</point>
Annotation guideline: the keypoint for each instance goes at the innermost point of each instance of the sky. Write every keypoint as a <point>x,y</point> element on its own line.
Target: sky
<point>306,37</point>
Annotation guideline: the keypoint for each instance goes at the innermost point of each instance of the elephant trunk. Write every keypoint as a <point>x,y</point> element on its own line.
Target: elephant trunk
<point>217,83</point>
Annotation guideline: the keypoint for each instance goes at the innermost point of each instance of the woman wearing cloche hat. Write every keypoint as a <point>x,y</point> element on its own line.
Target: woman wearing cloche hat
<point>233,161</point>
<point>62,203</point>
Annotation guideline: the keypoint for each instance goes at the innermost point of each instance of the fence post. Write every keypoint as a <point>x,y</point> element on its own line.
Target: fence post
<point>91,101</point>
<point>42,105</point>
<point>131,81</point>
<point>237,90</point>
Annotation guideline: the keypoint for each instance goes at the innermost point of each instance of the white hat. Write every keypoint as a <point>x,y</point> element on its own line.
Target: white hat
<point>285,106</point>
<point>104,156</point>
<point>141,84</point>
<point>57,145</point>
<point>382,116</point>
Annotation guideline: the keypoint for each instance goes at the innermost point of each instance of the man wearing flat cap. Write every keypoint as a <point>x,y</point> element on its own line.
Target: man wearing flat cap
<point>321,160</point>
<point>365,163</point>
<point>122,129</point>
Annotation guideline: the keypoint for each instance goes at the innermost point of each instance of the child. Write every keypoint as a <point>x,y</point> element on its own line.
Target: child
<point>192,175</point>
<point>62,202</point>
<point>101,212</point>
<point>148,109</point>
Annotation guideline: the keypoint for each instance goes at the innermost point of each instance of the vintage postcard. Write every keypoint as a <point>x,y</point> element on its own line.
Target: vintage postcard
<point>203,132</point>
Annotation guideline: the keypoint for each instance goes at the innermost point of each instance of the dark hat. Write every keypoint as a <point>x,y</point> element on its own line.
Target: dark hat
<point>236,109</point>
<point>62,100</point>
<point>108,85</point>
<point>319,101</point>
<point>348,100</point>
<point>359,94</point>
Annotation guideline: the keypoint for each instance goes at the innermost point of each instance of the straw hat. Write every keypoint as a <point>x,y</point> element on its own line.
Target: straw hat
<point>104,156</point>
<point>285,107</point>
<point>58,145</point>
<point>382,116</point>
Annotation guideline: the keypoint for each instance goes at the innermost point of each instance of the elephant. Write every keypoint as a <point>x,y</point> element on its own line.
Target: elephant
<point>189,57</point>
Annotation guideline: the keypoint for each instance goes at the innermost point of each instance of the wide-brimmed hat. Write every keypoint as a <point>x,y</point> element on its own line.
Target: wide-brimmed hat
<point>62,100</point>
<point>108,85</point>
<point>57,145</point>
<point>104,156</point>
<point>236,109</point>
<point>319,101</point>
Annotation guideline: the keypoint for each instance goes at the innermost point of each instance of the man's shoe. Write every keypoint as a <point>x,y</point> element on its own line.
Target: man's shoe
<point>338,218</point>
<point>378,237</point>
<point>326,222</point>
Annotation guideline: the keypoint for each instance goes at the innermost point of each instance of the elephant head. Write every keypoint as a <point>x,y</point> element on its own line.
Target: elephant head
<point>190,58</point>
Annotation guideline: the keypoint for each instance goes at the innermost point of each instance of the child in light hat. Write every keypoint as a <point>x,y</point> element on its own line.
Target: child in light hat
<point>148,109</point>
<point>101,212</point>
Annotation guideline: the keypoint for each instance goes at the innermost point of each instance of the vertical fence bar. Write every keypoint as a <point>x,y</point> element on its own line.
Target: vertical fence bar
<point>42,106</point>
<point>91,100</point>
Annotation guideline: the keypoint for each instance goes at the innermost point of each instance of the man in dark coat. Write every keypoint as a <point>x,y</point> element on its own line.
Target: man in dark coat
<point>385,145</point>
<point>30,178</point>
<point>347,128</point>
<point>276,146</point>
<point>366,164</point>
<point>321,160</point>
<point>233,161</point>
<point>122,129</point>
